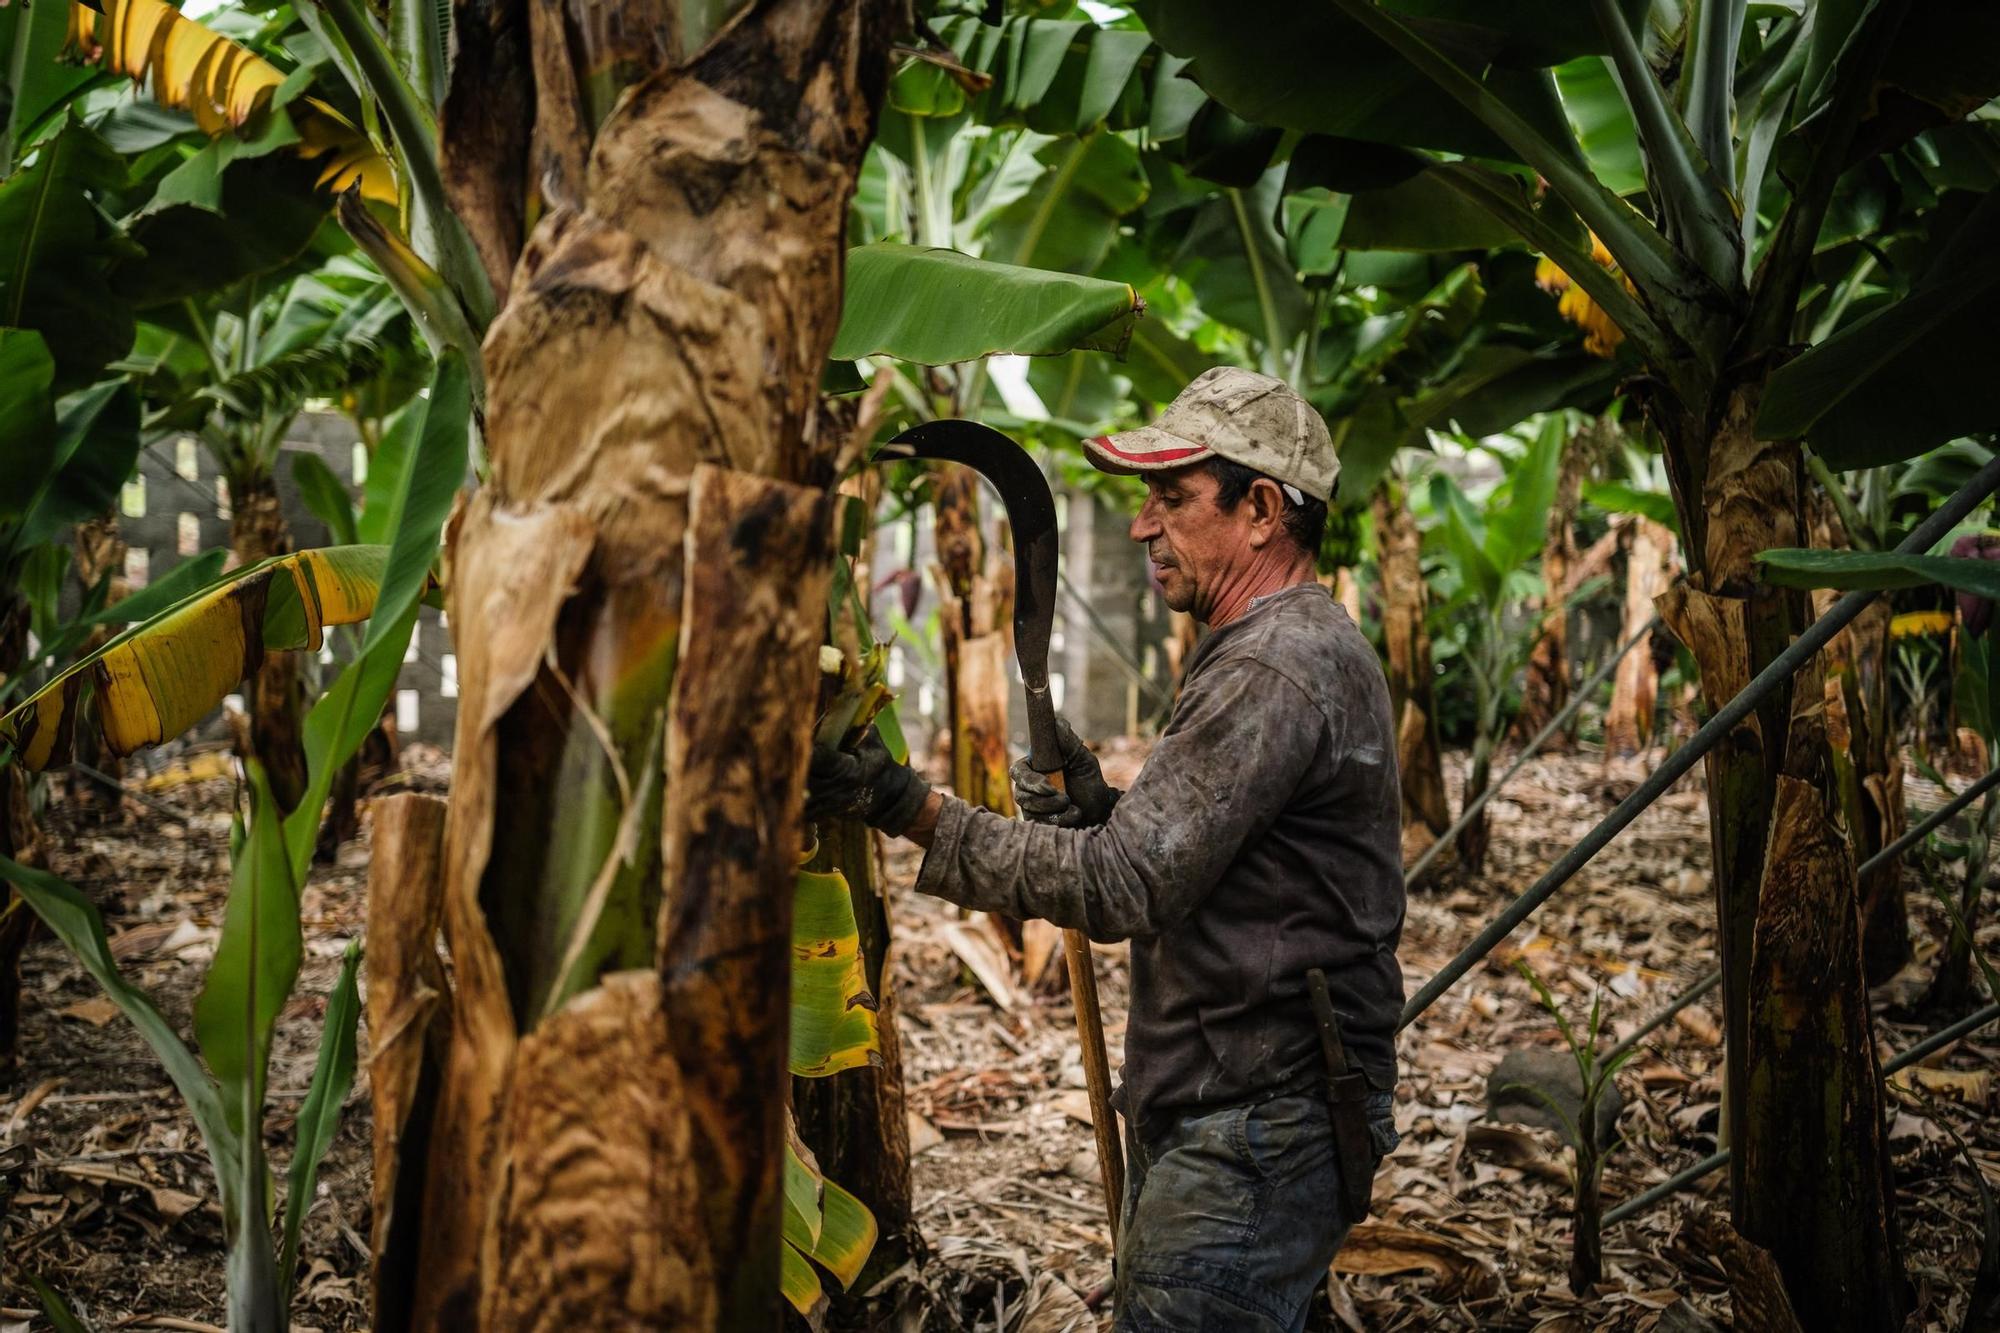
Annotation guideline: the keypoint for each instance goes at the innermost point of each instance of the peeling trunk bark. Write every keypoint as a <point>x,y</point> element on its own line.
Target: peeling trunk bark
<point>1810,1174</point>
<point>638,597</point>
<point>1409,653</point>
<point>257,531</point>
<point>857,1122</point>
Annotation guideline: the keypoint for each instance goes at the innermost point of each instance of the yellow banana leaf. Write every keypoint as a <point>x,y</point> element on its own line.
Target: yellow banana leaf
<point>823,1222</point>
<point>161,676</point>
<point>833,1014</point>
<point>222,85</point>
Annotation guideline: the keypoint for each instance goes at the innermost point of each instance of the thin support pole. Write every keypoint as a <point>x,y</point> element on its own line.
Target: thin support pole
<point>1674,1185</point>
<point>1881,858</point>
<point>1726,719</point>
<point>1118,654</point>
<point>1535,743</point>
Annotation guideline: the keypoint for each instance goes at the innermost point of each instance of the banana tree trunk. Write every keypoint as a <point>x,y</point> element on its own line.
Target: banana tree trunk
<point>857,1123</point>
<point>1649,569</point>
<point>1409,652</point>
<point>1810,1174</point>
<point>638,597</point>
<point>1867,757</point>
<point>257,531</point>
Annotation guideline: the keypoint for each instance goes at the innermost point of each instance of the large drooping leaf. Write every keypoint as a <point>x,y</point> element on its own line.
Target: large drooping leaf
<point>1879,570</point>
<point>1069,218</point>
<point>1466,540</point>
<point>1308,67</point>
<point>1909,376</point>
<point>157,679</point>
<point>935,307</point>
<point>1236,263</point>
<point>223,85</point>
<point>55,251</point>
<point>833,1015</point>
<point>37,85</point>
<point>1402,206</point>
<point>96,445</point>
<point>27,420</point>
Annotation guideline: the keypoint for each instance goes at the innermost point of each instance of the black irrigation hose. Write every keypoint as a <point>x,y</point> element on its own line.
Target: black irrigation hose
<point>1795,656</point>
<point>1569,710</point>
<point>1887,854</point>
<point>1674,1185</point>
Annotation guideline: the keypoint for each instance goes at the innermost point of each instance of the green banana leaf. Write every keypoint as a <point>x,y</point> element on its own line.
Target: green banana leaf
<point>833,1015</point>
<point>319,1114</point>
<point>1909,376</point>
<point>935,307</point>
<point>1878,570</point>
<point>55,250</point>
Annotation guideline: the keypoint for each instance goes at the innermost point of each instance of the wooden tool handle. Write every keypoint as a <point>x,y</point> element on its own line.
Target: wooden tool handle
<point>1096,1073</point>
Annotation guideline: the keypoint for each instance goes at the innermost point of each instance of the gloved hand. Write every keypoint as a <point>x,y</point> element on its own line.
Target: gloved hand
<point>1088,799</point>
<point>864,783</point>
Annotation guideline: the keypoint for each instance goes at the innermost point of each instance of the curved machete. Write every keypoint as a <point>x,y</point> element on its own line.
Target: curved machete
<point>1031,515</point>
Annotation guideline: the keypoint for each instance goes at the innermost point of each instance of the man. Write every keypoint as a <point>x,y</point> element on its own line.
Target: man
<point>1260,841</point>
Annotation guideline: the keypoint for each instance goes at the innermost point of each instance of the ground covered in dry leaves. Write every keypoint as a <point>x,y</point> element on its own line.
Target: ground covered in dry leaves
<point>106,1193</point>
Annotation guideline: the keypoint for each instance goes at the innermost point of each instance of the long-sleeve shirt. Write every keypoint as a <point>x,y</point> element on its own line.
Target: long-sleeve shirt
<point>1261,839</point>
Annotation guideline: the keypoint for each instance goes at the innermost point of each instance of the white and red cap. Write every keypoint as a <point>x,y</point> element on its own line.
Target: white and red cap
<point>1236,414</point>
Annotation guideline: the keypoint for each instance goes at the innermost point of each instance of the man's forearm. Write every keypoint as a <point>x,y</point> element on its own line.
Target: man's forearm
<point>924,826</point>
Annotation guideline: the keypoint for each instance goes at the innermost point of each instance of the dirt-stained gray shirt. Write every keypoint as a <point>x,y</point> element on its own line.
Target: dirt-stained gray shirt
<point>1261,839</point>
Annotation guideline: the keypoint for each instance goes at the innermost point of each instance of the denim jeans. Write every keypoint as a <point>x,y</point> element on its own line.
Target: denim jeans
<point>1231,1217</point>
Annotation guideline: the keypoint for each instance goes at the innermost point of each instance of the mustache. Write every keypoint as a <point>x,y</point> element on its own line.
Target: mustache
<point>1159,555</point>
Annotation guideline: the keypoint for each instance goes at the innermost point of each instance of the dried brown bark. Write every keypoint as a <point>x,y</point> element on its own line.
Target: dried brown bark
<point>257,531</point>
<point>638,597</point>
<point>1409,652</point>
<point>1649,570</point>
<point>406,1035</point>
<point>1810,1172</point>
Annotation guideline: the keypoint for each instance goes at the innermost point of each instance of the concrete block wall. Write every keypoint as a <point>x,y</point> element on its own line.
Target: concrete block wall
<point>177,505</point>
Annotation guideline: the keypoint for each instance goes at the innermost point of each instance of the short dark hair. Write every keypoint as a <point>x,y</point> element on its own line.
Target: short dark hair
<point>1305,522</point>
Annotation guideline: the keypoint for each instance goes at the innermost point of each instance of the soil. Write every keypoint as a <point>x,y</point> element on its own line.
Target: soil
<point>107,1195</point>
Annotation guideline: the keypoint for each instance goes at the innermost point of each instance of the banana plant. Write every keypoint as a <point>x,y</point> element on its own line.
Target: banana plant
<point>150,681</point>
<point>1488,553</point>
<point>1714,151</point>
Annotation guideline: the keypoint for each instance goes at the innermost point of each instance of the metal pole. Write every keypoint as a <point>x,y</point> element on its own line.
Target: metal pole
<point>1796,655</point>
<point>1941,1038</point>
<point>1883,857</point>
<point>1569,710</point>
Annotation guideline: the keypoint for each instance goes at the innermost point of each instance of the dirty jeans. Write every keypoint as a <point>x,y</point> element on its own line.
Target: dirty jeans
<point>1231,1217</point>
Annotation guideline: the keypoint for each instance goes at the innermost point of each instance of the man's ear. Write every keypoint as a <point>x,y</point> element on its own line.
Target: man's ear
<point>1267,510</point>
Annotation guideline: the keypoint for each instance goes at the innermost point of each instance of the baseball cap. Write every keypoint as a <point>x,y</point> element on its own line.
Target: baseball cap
<point>1236,414</point>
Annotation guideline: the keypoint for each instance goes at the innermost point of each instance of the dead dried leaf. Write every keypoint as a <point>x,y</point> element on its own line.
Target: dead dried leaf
<point>976,949</point>
<point>1970,1086</point>
<point>96,1011</point>
<point>1383,1248</point>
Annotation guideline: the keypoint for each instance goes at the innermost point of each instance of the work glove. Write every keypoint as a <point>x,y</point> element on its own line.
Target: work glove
<point>864,783</point>
<point>1087,800</point>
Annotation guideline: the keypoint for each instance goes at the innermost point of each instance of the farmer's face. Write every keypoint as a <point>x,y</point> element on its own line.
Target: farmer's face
<point>1194,545</point>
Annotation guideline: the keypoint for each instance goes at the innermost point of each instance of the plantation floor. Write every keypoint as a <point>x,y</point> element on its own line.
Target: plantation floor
<point>105,1193</point>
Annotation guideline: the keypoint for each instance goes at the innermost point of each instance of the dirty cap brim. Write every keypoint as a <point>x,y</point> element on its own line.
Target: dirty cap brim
<point>1144,449</point>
